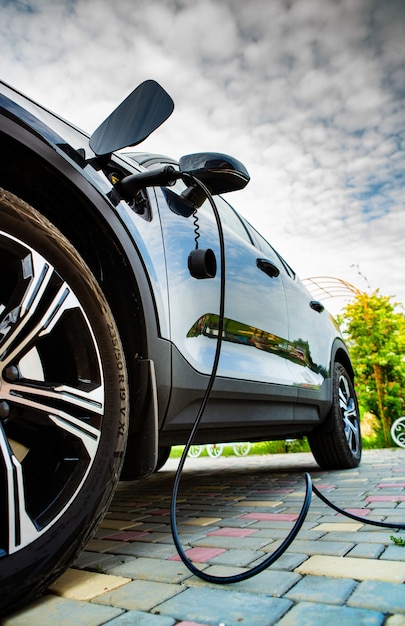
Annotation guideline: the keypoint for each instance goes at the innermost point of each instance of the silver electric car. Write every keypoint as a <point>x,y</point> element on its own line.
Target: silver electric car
<point>121,274</point>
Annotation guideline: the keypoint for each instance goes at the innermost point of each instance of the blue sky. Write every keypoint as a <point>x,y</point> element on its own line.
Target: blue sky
<point>309,94</point>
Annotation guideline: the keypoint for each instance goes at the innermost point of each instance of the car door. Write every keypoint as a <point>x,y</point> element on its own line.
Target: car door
<point>255,339</point>
<point>310,332</point>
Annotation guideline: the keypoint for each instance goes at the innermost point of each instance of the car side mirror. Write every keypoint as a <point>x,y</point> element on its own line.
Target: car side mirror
<point>219,172</point>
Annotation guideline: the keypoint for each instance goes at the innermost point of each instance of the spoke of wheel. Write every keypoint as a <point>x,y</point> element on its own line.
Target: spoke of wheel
<point>43,399</point>
<point>21,530</point>
<point>12,325</point>
<point>63,301</point>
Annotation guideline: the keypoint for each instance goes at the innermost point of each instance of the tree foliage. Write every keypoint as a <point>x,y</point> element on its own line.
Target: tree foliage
<point>375,333</point>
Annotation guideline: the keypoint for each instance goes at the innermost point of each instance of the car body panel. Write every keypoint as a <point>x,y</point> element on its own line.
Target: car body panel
<point>268,355</point>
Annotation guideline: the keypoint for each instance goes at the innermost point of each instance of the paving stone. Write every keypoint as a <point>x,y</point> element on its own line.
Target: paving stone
<point>51,610</point>
<point>333,548</point>
<point>80,585</point>
<point>367,551</point>
<point>386,498</point>
<point>267,504</point>
<point>395,620</point>
<point>274,517</point>
<point>140,595</point>
<point>202,521</point>
<point>288,561</point>
<point>186,538</point>
<point>213,606</point>
<point>212,541</point>
<point>358,569</point>
<point>93,561</point>
<point>237,522</point>
<point>116,524</point>
<point>160,551</point>
<point>268,582</point>
<point>339,527</point>
<point>381,596</point>
<point>393,553</point>
<point>155,537</point>
<point>194,530</point>
<point>322,589</point>
<point>233,532</point>
<point>200,554</point>
<point>139,618</point>
<point>309,614</point>
<point>102,532</point>
<point>238,558</point>
<point>157,570</point>
<point>277,533</point>
<point>360,537</point>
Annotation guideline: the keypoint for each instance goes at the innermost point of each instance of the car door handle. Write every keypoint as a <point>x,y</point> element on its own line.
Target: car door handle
<point>268,267</point>
<point>317,306</point>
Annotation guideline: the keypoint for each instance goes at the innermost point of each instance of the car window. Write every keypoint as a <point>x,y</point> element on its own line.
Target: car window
<point>230,218</point>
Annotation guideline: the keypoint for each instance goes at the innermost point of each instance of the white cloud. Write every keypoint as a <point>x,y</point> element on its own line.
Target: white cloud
<point>309,94</point>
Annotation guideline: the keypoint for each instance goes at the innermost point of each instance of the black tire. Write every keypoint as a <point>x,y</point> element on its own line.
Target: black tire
<point>163,455</point>
<point>63,397</point>
<point>336,443</point>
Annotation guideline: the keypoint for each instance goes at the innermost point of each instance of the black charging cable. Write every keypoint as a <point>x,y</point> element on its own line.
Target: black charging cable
<point>308,481</point>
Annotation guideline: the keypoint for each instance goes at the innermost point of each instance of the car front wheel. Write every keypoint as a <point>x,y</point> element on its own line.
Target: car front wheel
<point>63,397</point>
<point>336,443</point>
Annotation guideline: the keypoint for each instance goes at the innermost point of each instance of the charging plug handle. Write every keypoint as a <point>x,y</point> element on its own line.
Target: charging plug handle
<point>164,176</point>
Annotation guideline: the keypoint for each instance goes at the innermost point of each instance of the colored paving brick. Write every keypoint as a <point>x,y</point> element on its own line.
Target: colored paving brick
<point>157,570</point>
<point>199,555</point>
<point>139,595</point>
<point>127,536</point>
<point>308,614</point>
<point>358,569</point>
<point>233,532</point>
<point>213,606</point>
<point>322,589</point>
<point>280,517</point>
<point>390,498</point>
<point>385,597</point>
<point>202,521</point>
<point>339,527</point>
<point>80,585</point>
<point>51,610</point>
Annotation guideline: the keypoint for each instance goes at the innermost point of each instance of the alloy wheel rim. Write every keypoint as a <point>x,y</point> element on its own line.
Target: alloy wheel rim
<point>51,395</point>
<point>349,414</point>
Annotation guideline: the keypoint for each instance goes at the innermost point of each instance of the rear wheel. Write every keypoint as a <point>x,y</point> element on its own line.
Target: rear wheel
<point>336,443</point>
<point>63,407</point>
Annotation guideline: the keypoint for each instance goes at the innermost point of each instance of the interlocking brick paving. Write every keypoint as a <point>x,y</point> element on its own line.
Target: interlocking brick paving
<point>232,513</point>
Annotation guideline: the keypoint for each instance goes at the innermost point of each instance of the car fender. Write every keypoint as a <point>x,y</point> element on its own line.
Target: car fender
<point>41,172</point>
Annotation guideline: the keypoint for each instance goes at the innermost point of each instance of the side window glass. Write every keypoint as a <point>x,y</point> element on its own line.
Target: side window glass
<point>230,218</point>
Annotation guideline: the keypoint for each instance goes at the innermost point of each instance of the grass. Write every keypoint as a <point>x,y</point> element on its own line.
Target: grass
<point>275,447</point>
<point>261,448</point>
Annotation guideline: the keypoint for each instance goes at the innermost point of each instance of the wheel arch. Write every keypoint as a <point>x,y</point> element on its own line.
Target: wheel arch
<point>341,355</point>
<point>35,172</point>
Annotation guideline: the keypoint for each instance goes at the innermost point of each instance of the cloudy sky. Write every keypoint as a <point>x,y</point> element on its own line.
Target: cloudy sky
<point>309,94</point>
